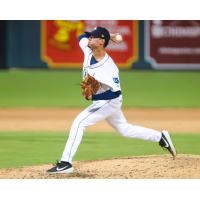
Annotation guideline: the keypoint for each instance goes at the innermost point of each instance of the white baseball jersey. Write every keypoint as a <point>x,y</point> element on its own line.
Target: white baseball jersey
<point>106,72</point>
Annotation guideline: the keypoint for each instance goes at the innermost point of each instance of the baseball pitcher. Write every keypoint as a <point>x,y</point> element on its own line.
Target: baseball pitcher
<point>101,84</point>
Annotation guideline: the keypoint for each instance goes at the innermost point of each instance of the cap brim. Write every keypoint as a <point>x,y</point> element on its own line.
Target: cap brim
<point>88,33</point>
<point>93,33</point>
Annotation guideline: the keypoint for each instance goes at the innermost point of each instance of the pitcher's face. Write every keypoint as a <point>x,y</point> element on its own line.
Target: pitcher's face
<point>95,43</point>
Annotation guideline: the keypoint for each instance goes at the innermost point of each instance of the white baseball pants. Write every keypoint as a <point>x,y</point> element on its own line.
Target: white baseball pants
<point>111,111</point>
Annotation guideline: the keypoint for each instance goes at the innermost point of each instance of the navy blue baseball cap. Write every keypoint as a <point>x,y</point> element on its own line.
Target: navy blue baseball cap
<point>100,32</point>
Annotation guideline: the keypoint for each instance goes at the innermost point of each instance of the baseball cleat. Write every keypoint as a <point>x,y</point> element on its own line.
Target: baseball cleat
<point>61,167</point>
<point>166,143</point>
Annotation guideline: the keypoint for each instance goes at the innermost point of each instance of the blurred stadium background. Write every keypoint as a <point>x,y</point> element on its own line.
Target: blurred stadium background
<point>147,44</point>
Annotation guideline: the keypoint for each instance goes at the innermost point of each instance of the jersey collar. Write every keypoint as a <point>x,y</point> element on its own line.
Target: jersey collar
<point>100,63</point>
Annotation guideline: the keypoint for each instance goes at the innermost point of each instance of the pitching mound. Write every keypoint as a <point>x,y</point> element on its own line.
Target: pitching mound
<point>185,166</point>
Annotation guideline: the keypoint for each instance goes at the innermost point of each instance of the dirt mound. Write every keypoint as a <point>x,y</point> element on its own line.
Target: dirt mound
<point>160,167</point>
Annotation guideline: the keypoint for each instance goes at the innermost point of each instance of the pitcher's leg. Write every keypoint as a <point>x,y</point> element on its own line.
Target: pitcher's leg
<point>75,137</point>
<point>88,117</point>
<point>119,122</point>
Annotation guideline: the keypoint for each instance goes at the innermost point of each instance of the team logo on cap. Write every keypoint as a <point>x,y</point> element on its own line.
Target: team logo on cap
<point>102,35</point>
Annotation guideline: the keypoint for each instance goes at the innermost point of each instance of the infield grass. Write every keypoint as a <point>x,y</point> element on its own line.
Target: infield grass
<point>33,148</point>
<point>48,88</point>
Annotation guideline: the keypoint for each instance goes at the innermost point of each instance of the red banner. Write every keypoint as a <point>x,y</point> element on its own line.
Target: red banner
<point>59,43</point>
<point>173,44</point>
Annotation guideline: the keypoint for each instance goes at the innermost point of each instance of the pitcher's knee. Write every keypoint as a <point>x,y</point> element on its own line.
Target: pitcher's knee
<point>124,130</point>
<point>80,122</point>
<point>121,129</point>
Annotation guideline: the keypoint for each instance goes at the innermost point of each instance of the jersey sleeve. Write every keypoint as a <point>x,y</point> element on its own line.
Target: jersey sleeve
<point>83,42</point>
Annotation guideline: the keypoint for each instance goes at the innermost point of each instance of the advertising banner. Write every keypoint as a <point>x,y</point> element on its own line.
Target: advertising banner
<point>59,42</point>
<point>173,44</point>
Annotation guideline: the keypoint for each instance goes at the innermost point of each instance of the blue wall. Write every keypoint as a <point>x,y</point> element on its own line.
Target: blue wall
<point>23,44</point>
<point>2,44</point>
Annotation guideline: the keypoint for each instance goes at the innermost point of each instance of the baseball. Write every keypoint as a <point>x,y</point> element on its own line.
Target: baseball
<point>118,37</point>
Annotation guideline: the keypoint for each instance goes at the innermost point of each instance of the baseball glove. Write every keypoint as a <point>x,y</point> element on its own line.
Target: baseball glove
<point>89,87</point>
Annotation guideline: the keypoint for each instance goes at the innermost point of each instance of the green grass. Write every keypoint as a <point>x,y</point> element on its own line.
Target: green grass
<point>32,148</point>
<point>20,88</point>
<point>40,89</point>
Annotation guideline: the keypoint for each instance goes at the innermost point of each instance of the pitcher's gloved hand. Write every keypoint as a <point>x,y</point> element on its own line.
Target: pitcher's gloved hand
<point>89,87</point>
